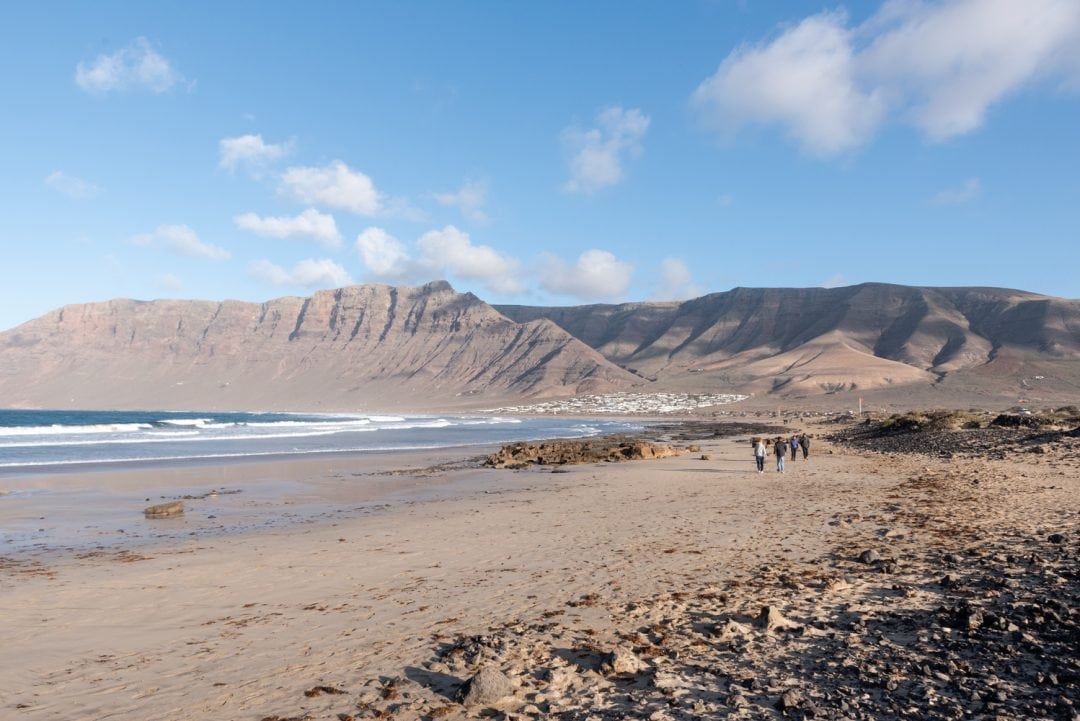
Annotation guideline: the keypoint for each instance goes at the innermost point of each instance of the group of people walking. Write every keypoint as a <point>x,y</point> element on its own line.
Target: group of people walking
<point>780,449</point>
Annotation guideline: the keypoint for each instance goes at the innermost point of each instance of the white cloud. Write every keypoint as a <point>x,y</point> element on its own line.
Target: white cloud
<point>310,273</point>
<point>71,186</point>
<point>597,275</point>
<point>180,240</point>
<point>835,281</point>
<point>676,282</point>
<point>309,224</point>
<point>597,155</point>
<point>470,199</point>
<point>803,81</point>
<point>383,255</point>
<point>168,281</point>
<point>249,150</point>
<point>939,66</point>
<point>952,61</point>
<point>334,185</point>
<point>451,251</point>
<point>136,66</point>
<point>966,192</point>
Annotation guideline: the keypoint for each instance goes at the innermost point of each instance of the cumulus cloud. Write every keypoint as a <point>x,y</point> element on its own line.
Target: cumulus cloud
<point>385,257</point>
<point>310,273</point>
<point>309,224</point>
<point>597,154</point>
<point>452,251</point>
<point>803,81</point>
<point>71,186</point>
<point>939,66</point>
<point>334,185</point>
<point>835,281</point>
<point>137,66</point>
<point>965,193</point>
<point>597,275</point>
<point>470,200</point>
<point>951,61</point>
<point>676,282</point>
<point>249,150</point>
<point>180,240</point>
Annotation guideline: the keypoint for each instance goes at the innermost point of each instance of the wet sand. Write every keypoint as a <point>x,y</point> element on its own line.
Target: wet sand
<point>396,590</point>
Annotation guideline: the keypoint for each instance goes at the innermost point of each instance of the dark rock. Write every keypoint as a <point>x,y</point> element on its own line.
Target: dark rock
<point>487,687</point>
<point>790,699</point>
<point>869,556</point>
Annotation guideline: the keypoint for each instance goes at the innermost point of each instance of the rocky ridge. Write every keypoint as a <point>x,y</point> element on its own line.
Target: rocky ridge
<point>384,347</point>
<point>798,341</point>
<point>353,347</point>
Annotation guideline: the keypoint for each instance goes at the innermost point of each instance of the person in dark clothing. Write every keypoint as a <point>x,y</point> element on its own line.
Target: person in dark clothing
<point>794,443</point>
<point>804,442</point>
<point>780,449</point>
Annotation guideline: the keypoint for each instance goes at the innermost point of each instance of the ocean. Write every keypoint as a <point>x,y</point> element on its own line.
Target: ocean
<point>32,441</point>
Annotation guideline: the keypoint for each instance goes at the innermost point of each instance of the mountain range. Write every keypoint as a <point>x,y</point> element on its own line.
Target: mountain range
<point>382,347</point>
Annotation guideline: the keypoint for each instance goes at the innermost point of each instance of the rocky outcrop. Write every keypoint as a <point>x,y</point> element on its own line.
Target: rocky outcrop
<point>361,346</point>
<point>593,450</point>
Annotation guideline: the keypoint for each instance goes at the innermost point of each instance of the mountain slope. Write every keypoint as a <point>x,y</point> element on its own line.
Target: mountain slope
<point>807,340</point>
<point>380,347</point>
<point>356,347</point>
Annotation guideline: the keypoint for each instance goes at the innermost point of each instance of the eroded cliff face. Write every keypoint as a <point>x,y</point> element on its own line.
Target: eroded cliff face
<point>806,340</point>
<point>356,347</point>
<point>381,347</point>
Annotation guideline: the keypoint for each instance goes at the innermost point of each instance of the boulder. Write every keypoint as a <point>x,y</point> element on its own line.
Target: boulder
<point>488,686</point>
<point>869,556</point>
<point>621,662</point>
<point>164,510</point>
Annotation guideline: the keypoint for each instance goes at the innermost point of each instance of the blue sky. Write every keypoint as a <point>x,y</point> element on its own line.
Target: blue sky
<point>541,153</point>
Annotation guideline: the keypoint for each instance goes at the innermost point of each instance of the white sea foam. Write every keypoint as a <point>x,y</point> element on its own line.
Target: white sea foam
<point>175,438</point>
<point>56,430</point>
<point>299,424</point>
<point>203,437</point>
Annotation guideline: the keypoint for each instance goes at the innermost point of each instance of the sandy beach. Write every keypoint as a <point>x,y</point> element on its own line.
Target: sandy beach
<point>374,587</point>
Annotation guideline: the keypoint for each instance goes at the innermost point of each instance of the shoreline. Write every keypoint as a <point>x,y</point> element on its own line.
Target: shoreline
<point>542,575</point>
<point>75,507</point>
<point>101,507</point>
